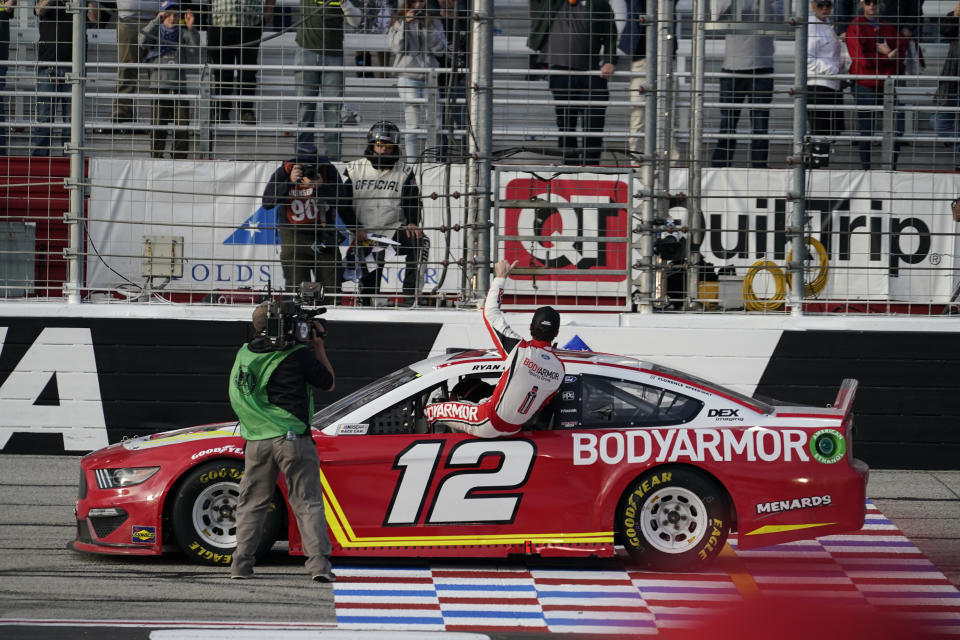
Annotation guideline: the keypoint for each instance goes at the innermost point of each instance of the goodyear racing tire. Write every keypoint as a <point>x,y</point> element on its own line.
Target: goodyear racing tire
<point>204,513</point>
<point>673,518</point>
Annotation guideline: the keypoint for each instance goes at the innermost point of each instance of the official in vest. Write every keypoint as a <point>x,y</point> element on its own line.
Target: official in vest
<point>532,377</point>
<point>270,391</point>
<point>310,194</point>
<point>386,200</point>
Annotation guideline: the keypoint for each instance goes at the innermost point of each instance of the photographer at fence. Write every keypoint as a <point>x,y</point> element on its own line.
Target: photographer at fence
<point>825,57</point>
<point>270,391</point>
<point>309,195</point>
<point>947,96</point>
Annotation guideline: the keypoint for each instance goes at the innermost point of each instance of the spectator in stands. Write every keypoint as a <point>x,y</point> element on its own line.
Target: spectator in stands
<point>54,55</point>
<point>132,17</point>
<point>233,37</point>
<point>375,17</point>
<point>750,57</point>
<point>633,42</point>
<point>320,40</point>
<point>455,17</point>
<point>310,194</point>
<point>948,89</point>
<point>417,42</point>
<point>171,44</point>
<point>876,49</point>
<point>6,13</point>
<point>386,200</point>
<point>576,35</point>
<point>904,14</point>
<point>825,57</point>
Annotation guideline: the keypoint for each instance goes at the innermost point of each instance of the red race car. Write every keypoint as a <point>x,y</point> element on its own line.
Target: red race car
<point>628,453</point>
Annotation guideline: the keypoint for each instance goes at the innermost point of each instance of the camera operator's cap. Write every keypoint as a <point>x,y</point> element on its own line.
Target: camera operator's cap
<point>169,4</point>
<point>260,317</point>
<point>546,319</point>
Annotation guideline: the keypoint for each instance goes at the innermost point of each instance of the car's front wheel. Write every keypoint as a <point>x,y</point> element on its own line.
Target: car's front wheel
<point>673,518</point>
<point>204,513</point>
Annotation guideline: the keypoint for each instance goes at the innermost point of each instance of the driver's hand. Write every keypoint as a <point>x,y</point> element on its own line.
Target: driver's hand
<point>503,268</point>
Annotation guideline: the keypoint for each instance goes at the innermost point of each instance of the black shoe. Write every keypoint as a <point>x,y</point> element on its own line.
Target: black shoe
<point>248,117</point>
<point>326,575</point>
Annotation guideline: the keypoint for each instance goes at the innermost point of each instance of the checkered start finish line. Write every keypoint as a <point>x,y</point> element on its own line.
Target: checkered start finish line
<point>878,568</point>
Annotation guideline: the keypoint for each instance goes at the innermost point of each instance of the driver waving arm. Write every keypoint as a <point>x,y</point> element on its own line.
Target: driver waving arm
<point>532,376</point>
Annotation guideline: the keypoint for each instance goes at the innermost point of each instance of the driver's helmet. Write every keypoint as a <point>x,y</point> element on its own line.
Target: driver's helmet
<point>384,131</point>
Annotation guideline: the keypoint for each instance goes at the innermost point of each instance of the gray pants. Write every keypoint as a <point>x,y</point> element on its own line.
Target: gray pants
<point>264,460</point>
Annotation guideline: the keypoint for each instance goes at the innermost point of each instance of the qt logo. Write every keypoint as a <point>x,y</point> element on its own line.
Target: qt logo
<point>591,208</point>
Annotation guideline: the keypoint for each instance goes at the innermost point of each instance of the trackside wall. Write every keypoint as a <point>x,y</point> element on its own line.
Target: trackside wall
<point>74,378</point>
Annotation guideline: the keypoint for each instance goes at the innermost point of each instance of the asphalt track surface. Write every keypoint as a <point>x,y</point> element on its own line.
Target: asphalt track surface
<point>877,582</point>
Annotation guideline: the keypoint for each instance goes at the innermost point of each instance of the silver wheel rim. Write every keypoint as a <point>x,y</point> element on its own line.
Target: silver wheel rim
<point>215,514</point>
<point>673,520</point>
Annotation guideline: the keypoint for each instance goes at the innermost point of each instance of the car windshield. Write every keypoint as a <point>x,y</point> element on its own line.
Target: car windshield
<point>333,412</point>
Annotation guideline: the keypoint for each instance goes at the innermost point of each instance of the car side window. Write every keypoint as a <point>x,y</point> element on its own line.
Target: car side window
<point>609,402</point>
<point>405,416</point>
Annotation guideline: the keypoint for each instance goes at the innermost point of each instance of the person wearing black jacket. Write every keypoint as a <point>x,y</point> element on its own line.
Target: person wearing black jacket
<point>309,195</point>
<point>54,55</point>
<point>455,18</point>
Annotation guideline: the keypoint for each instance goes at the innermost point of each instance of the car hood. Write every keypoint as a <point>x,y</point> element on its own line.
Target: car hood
<point>180,436</point>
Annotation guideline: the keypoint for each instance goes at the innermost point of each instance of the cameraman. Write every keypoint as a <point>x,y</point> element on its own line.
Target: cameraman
<point>310,194</point>
<point>270,391</point>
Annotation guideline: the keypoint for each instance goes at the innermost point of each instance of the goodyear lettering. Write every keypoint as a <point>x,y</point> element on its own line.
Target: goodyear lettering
<point>222,473</point>
<point>451,411</point>
<point>695,445</point>
<point>777,506</point>
<point>229,448</point>
<point>715,532</point>
<point>206,554</point>
<point>636,498</point>
<point>539,371</point>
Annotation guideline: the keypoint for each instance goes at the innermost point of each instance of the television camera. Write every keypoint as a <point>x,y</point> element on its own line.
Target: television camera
<point>290,318</point>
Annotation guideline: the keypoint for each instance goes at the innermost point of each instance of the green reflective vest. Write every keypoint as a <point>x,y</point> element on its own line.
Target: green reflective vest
<point>259,419</point>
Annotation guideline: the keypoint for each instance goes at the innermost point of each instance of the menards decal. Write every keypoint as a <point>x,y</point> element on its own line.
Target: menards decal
<point>694,445</point>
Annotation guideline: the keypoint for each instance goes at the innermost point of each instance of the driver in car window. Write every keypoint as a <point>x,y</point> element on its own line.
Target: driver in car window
<point>532,376</point>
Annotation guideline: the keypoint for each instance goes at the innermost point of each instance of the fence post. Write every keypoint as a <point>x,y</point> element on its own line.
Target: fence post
<point>887,145</point>
<point>477,248</point>
<point>800,161</point>
<point>75,183</point>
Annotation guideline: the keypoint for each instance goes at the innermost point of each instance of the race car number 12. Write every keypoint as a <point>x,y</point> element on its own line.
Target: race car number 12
<point>455,499</point>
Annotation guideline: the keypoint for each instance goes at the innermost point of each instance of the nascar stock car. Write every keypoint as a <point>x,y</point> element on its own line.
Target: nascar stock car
<point>629,453</point>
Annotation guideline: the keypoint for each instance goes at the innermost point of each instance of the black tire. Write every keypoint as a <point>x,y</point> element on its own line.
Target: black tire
<point>204,513</point>
<point>673,518</point>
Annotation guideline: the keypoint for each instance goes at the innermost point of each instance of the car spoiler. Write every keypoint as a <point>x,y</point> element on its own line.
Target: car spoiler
<point>844,401</point>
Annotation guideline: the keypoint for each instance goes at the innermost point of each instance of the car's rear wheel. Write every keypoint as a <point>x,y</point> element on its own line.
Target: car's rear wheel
<point>204,513</point>
<point>673,518</point>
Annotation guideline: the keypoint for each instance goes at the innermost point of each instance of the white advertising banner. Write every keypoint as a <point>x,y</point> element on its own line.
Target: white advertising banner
<point>867,242</point>
<point>873,235</point>
<point>229,240</point>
